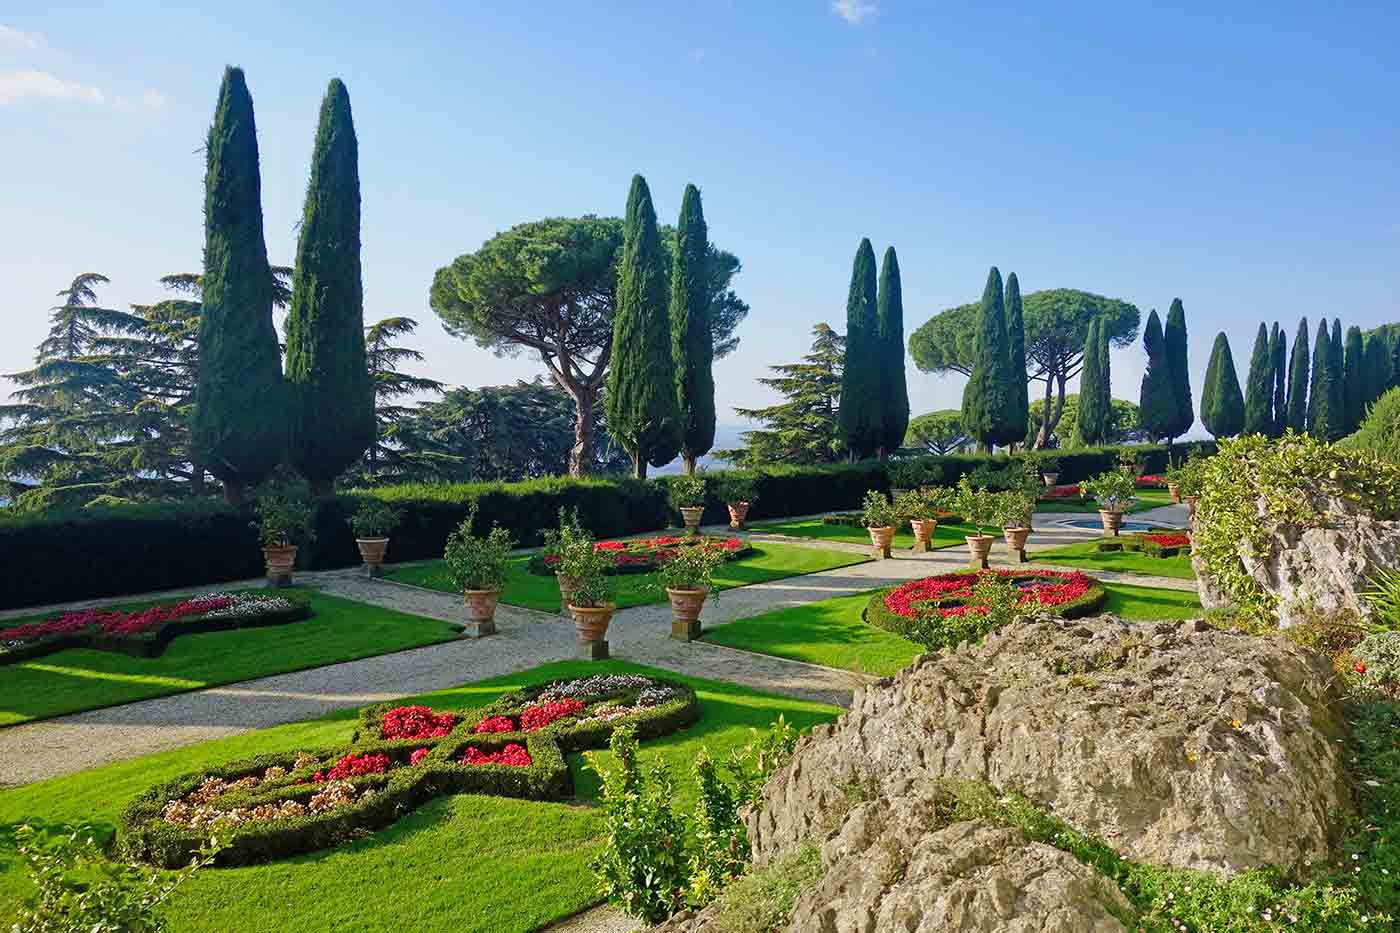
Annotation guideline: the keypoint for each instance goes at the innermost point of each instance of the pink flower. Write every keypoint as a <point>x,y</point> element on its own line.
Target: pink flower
<point>494,724</point>
<point>537,717</point>
<point>416,722</point>
<point>418,755</point>
<point>354,765</point>
<point>514,755</point>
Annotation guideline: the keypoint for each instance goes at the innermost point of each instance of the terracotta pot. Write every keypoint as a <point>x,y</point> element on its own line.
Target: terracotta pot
<point>280,561</point>
<point>1191,504</point>
<point>591,623</point>
<point>567,587</point>
<point>685,612</point>
<point>738,511</point>
<point>1112,522</point>
<point>880,540</point>
<point>923,532</point>
<point>480,605</point>
<point>1051,478</point>
<point>979,546</point>
<point>372,552</point>
<point>690,514</point>
<point>1016,537</point>
<point>1174,491</point>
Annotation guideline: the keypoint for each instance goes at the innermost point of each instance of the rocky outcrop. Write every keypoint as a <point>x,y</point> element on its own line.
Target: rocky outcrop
<point>1178,744</point>
<point>1326,569</point>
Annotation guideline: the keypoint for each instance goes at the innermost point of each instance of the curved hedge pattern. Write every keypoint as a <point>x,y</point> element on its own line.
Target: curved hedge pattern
<point>880,615</point>
<point>146,835</point>
<point>643,555</point>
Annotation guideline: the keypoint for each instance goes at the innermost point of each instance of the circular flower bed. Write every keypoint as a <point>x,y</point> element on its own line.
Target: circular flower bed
<point>643,555</point>
<point>1068,594</point>
<point>399,758</point>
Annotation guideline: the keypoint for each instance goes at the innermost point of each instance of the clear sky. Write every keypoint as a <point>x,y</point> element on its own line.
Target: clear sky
<point>1242,156</point>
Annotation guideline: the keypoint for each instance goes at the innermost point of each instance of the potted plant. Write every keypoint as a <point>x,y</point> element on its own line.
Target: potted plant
<point>737,491</point>
<point>1189,481</point>
<point>687,494</point>
<point>921,509</point>
<point>689,577</point>
<point>371,523</point>
<point>1015,515</point>
<point>905,475</point>
<point>1128,462</point>
<point>477,567</point>
<point>590,601</point>
<point>1114,491</point>
<point>1050,470</point>
<point>282,525</point>
<point>981,508</point>
<point>556,540</point>
<point>879,517</point>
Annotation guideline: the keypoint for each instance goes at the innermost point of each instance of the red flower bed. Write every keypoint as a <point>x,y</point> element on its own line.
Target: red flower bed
<point>1151,480</point>
<point>494,724</point>
<point>513,755</point>
<point>416,722</point>
<point>354,766</point>
<point>1168,540</point>
<point>1063,492</point>
<point>915,598</point>
<point>535,718</point>
<point>647,552</point>
<point>114,623</point>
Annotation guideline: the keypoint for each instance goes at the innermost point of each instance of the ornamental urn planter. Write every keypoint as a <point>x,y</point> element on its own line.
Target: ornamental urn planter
<point>690,514</point>
<point>479,609</point>
<point>1051,479</point>
<point>591,625</point>
<point>372,552</point>
<point>923,532</point>
<point>880,541</point>
<point>1016,540</point>
<point>1112,521</point>
<point>685,612</point>
<point>1174,491</point>
<point>567,587</point>
<point>979,546</point>
<point>281,558</point>
<point>738,511</point>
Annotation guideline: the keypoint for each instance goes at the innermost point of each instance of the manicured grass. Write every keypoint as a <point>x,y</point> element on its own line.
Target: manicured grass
<point>943,536</point>
<point>467,862</point>
<point>833,634</point>
<point>535,591</point>
<point>1087,556</point>
<point>82,678</point>
<point>1146,499</point>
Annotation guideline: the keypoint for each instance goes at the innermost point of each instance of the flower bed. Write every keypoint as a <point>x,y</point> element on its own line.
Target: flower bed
<point>1154,544</point>
<point>1151,481</point>
<point>398,759</point>
<point>643,555</point>
<point>146,632</point>
<point>1063,492</point>
<point>1068,594</point>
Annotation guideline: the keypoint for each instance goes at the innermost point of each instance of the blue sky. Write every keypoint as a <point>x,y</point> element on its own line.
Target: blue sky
<point>1241,156</point>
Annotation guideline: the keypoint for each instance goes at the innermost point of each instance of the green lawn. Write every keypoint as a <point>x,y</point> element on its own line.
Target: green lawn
<point>1087,556</point>
<point>833,634</point>
<point>535,591</point>
<point>943,536</point>
<point>470,863</point>
<point>1146,499</point>
<point>82,678</point>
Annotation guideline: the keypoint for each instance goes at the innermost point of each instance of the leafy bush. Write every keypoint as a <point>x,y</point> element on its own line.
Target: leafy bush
<point>762,901</point>
<point>375,519</point>
<point>283,521</point>
<point>736,486</point>
<point>721,850</point>
<point>911,474</point>
<point>581,563</point>
<point>477,563</point>
<point>1113,490</point>
<point>1378,662</point>
<point>1379,433</point>
<point>876,511</point>
<point>980,506</point>
<point>687,491</point>
<point>691,568</point>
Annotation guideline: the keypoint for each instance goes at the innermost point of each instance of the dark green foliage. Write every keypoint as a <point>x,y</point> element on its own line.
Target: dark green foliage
<point>1016,340</point>
<point>1325,414</point>
<point>692,341</point>
<point>1174,335</point>
<point>1354,380</point>
<point>1298,380</point>
<point>383,358</point>
<point>1380,430</point>
<point>1094,400</point>
<point>239,429</point>
<point>894,388</point>
<point>1375,371</point>
<point>332,420</point>
<point>1259,387</point>
<point>1157,401</point>
<point>1278,356</point>
<point>987,405</point>
<point>805,428</point>
<point>1222,403</point>
<point>1337,382</point>
<point>643,410</point>
<point>862,412</point>
<point>938,432</point>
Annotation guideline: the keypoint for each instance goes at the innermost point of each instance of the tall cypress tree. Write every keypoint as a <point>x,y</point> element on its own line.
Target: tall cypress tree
<point>1094,413</point>
<point>1337,385</point>
<point>332,395</point>
<point>642,408</point>
<point>1174,334</point>
<point>1298,380</point>
<point>1259,387</point>
<point>987,405</point>
<point>692,344</point>
<point>1278,357</point>
<point>1020,416</point>
<point>239,425</point>
<point>1222,403</point>
<point>1320,413</point>
<point>862,411</point>
<point>1354,382</point>
<point>1157,400</point>
<point>890,333</point>
<point>1377,369</point>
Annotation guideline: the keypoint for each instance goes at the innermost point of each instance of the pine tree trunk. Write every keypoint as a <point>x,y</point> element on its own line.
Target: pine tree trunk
<point>585,401</point>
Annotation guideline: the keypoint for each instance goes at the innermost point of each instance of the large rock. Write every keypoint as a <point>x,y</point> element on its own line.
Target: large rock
<point>1307,569</point>
<point>1179,744</point>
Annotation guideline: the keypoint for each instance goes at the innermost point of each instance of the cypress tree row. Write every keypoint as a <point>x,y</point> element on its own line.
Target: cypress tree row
<point>1157,400</point>
<point>1298,380</point>
<point>1020,415</point>
<point>332,395</point>
<point>890,334</point>
<point>1093,416</point>
<point>1353,381</point>
<point>1174,333</point>
<point>1377,369</point>
<point>1222,404</point>
<point>987,405</point>
<point>1337,384</point>
<point>692,344</point>
<point>862,414</point>
<point>1259,387</point>
<point>1320,414</point>
<point>641,404</point>
<point>239,426</point>
<point>1278,355</point>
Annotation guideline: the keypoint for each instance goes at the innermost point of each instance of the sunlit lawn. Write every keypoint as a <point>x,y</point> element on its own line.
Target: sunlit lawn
<point>1087,556</point>
<point>943,536</point>
<point>1146,499</point>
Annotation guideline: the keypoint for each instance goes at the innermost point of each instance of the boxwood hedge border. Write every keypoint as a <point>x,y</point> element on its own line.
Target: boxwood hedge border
<point>877,614</point>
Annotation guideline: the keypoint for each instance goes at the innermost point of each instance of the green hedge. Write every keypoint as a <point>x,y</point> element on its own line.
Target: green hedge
<point>879,615</point>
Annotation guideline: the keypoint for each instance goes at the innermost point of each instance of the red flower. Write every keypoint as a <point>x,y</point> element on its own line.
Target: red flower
<point>494,724</point>
<point>416,722</point>
<point>514,755</point>
<point>1168,540</point>
<point>114,623</point>
<point>948,593</point>
<point>418,755</point>
<point>353,766</point>
<point>1360,668</point>
<point>535,718</point>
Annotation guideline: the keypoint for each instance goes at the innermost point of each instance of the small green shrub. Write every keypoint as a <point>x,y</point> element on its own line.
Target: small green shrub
<point>283,521</point>
<point>876,510</point>
<point>687,491</point>
<point>375,519</point>
<point>1378,662</point>
<point>762,902</point>
<point>581,563</point>
<point>691,568</point>
<point>735,486</point>
<point>721,851</point>
<point>1113,490</point>
<point>980,506</point>
<point>475,563</point>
